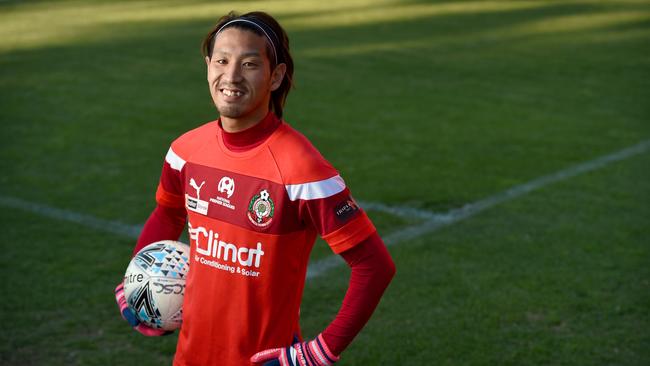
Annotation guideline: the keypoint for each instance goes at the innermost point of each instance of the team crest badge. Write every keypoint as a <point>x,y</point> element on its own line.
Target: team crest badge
<point>260,209</point>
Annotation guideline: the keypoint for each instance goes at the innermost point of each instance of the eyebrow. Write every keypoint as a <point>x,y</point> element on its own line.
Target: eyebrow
<point>246,54</point>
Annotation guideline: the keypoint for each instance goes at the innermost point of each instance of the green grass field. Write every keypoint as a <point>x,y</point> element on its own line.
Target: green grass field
<point>429,105</point>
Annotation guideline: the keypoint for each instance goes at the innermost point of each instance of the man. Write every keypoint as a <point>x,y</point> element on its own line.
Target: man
<point>256,193</point>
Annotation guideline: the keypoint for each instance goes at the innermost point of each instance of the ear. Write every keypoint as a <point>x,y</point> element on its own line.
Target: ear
<point>277,76</point>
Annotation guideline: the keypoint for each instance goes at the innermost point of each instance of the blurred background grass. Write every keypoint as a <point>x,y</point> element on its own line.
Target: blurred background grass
<point>426,104</point>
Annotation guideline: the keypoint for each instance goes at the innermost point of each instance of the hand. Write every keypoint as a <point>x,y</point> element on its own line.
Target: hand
<point>129,315</point>
<point>312,353</point>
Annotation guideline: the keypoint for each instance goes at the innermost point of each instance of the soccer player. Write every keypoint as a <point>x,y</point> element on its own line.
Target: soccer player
<point>255,193</point>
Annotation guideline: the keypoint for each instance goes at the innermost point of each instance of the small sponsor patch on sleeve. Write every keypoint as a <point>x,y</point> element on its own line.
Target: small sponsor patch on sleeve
<point>346,209</point>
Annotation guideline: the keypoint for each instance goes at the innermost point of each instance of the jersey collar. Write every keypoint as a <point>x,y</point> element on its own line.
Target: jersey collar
<point>251,137</point>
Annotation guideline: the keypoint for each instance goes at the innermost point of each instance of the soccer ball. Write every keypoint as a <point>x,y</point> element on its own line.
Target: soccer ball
<point>154,283</point>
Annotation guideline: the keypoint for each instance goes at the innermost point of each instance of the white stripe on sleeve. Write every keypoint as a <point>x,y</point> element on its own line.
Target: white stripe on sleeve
<point>175,161</point>
<point>316,190</point>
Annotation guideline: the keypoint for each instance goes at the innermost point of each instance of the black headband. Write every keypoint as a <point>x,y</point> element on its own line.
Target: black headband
<point>268,32</point>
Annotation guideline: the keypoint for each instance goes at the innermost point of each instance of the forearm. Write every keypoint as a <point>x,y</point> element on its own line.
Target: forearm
<point>164,223</point>
<point>372,271</point>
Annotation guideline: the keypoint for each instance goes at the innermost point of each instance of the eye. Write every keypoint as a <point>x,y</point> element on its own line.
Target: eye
<point>220,61</point>
<point>250,65</point>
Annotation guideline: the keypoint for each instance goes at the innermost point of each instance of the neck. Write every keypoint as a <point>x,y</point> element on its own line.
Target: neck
<point>242,123</point>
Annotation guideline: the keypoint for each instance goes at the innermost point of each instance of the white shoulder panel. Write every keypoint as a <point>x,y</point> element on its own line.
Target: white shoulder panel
<point>316,190</point>
<point>175,161</point>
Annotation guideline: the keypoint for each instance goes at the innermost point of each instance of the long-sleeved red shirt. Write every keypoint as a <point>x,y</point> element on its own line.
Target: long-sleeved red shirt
<point>371,265</point>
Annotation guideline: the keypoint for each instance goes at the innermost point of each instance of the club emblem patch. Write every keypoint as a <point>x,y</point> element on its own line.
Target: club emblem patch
<point>260,209</point>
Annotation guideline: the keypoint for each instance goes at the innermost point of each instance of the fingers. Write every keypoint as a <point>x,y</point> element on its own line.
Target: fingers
<point>119,297</point>
<point>267,355</point>
<point>126,312</point>
<point>150,332</point>
<point>130,317</point>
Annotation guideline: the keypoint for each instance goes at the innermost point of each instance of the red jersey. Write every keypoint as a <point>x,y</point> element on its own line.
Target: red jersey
<point>253,218</point>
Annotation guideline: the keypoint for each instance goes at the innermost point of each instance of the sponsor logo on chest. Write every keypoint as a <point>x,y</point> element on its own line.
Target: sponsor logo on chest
<point>225,190</point>
<point>196,204</point>
<point>226,187</point>
<point>232,198</point>
<point>212,251</point>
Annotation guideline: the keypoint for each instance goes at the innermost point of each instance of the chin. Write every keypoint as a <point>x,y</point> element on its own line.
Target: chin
<point>230,111</point>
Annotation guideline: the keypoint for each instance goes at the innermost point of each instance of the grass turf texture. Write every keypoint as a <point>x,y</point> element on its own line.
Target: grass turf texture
<point>427,104</point>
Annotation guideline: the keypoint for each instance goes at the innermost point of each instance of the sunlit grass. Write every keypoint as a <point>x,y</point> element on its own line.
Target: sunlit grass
<point>582,22</point>
<point>55,23</point>
<point>43,24</point>
<point>399,12</point>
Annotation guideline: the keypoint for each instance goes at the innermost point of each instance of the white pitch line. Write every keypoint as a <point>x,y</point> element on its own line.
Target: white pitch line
<point>113,227</point>
<point>321,266</point>
<point>433,221</point>
<point>401,211</point>
<point>133,231</point>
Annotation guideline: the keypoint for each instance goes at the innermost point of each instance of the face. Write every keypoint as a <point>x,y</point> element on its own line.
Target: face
<point>240,78</point>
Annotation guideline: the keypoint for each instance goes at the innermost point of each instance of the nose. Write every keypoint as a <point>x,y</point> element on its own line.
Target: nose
<point>232,73</point>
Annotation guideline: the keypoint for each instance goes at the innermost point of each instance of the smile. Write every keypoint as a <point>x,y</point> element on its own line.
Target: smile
<point>231,93</point>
